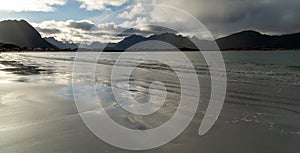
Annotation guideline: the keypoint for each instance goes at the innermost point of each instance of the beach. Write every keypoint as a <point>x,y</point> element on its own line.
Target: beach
<point>261,112</point>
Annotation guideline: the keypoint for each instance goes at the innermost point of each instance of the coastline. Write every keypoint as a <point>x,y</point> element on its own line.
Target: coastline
<point>225,50</point>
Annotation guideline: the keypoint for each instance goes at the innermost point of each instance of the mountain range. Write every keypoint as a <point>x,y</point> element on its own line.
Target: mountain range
<point>177,41</point>
<point>20,35</point>
<point>61,45</point>
<point>245,40</point>
<point>253,40</point>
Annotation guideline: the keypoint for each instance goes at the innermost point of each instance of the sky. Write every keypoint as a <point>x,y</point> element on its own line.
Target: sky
<point>85,21</point>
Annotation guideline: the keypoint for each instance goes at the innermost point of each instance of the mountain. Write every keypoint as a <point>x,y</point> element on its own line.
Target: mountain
<point>22,34</point>
<point>61,45</point>
<point>245,40</point>
<point>252,40</point>
<point>128,42</point>
<point>183,43</point>
<point>178,41</point>
<point>96,46</point>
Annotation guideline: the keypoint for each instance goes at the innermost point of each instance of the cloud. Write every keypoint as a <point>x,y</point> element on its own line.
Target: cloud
<point>83,25</point>
<point>86,31</point>
<point>48,30</point>
<point>67,33</point>
<point>83,31</point>
<point>170,18</point>
<point>145,30</point>
<point>223,17</point>
<point>30,5</point>
<point>100,4</point>
<point>133,11</point>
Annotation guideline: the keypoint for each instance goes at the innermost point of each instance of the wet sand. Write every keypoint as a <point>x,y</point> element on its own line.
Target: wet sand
<point>41,116</point>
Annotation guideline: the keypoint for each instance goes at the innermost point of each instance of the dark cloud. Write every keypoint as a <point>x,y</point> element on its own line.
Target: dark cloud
<point>83,25</point>
<point>120,32</point>
<point>48,30</point>
<point>157,29</point>
<point>146,30</point>
<point>276,16</point>
<point>227,16</point>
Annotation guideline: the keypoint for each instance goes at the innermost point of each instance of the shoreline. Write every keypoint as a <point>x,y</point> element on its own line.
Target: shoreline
<point>237,50</point>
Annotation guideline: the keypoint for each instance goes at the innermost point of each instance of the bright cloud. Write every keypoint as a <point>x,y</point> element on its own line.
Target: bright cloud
<point>83,31</point>
<point>30,5</point>
<point>133,11</point>
<point>133,20</point>
<point>100,4</point>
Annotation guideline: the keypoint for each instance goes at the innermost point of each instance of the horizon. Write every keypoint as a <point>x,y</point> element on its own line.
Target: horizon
<point>242,40</point>
<point>149,35</point>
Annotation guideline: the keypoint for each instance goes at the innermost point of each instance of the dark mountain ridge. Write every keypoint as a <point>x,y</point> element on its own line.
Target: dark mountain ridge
<point>180,42</point>
<point>251,40</point>
<point>245,40</point>
<point>22,34</point>
<point>61,45</point>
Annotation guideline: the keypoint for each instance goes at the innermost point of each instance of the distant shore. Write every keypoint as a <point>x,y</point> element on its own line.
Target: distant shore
<point>224,50</point>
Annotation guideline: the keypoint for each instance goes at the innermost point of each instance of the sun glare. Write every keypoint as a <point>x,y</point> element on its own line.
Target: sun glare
<point>29,5</point>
